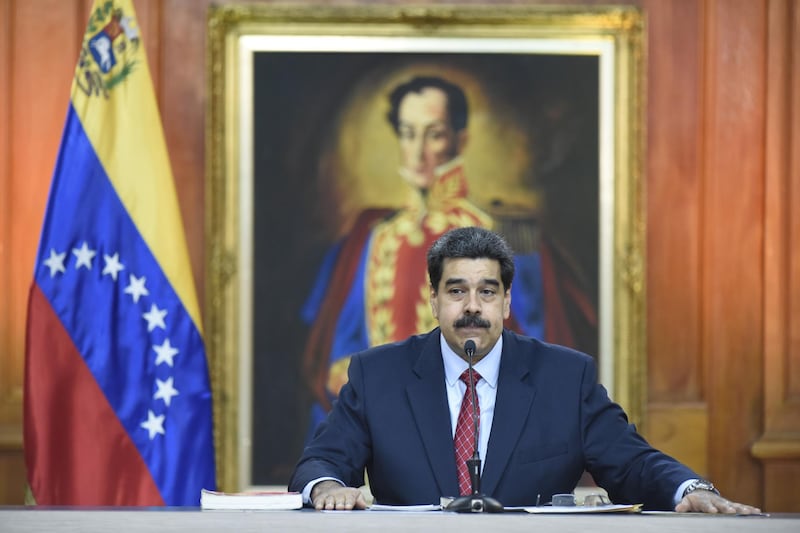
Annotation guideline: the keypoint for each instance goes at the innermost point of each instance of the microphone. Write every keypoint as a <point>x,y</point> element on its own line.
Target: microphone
<point>476,502</point>
<point>473,464</point>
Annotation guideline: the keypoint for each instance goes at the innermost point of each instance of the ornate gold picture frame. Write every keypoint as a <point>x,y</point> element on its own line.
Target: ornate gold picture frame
<point>298,144</point>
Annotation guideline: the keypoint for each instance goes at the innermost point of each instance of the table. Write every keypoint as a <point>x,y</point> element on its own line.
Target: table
<point>191,520</point>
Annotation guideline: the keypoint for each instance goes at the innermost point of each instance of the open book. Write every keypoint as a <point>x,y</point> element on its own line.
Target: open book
<point>250,501</point>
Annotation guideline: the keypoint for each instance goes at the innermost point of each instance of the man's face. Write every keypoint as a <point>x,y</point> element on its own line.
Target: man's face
<point>427,138</point>
<point>471,303</point>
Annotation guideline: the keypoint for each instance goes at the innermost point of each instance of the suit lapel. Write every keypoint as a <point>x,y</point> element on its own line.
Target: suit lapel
<point>428,401</point>
<point>515,394</point>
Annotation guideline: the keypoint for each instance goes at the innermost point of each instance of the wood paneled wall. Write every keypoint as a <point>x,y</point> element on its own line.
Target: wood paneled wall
<point>723,223</point>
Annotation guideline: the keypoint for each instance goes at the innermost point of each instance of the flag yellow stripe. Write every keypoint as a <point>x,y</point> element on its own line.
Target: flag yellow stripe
<point>126,133</point>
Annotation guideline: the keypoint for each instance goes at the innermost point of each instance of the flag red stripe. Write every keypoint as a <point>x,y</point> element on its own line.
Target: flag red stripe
<point>76,450</point>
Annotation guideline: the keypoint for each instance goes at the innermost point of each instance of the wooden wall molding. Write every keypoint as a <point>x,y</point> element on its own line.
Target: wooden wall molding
<point>681,430</point>
<point>781,222</point>
<point>773,446</point>
<point>733,240</point>
<point>8,380</point>
<point>778,448</point>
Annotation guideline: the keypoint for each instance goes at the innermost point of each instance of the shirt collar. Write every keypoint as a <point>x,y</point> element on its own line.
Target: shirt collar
<point>488,367</point>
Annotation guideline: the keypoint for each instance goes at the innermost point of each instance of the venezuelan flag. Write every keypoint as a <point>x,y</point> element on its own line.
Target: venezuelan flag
<point>117,407</point>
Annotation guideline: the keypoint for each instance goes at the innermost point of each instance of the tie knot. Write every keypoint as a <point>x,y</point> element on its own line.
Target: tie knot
<point>465,376</point>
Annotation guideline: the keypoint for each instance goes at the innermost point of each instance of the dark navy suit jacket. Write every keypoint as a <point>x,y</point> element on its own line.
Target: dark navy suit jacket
<point>552,420</point>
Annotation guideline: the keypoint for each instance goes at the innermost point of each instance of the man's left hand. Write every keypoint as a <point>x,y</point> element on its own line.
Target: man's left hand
<point>705,501</point>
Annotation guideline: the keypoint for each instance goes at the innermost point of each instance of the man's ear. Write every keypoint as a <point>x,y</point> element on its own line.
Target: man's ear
<point>434,304</point>
<point>507,304</point>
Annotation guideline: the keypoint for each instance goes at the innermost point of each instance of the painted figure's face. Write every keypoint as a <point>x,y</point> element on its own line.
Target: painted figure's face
<point>427,138</point>
<point>471,303</point>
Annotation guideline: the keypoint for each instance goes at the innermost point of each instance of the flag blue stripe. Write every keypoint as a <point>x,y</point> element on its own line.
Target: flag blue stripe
<point>109,329</point>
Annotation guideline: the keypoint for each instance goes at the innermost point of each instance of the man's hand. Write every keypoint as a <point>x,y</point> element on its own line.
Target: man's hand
<point>330,495</point>
<point>705,501</point>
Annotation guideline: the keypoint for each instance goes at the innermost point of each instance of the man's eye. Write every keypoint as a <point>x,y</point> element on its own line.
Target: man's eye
<point>406,134</point>
<point>436,134</point>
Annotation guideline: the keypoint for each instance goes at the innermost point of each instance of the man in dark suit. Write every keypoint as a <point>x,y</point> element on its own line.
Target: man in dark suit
<point>543,416</point>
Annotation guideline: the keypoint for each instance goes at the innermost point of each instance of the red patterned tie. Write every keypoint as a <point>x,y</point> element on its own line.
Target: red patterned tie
<point>464,440</point>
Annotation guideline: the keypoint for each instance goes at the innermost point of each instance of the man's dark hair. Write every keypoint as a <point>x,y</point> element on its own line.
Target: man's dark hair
<point>457,109</point>
<point>470,243</point>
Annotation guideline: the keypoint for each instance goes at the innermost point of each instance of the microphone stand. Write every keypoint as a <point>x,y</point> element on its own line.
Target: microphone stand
<point>475,502</point>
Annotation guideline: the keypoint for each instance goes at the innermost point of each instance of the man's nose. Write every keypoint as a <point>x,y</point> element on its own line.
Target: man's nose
<point>417,149</point>
<point>473,303</point>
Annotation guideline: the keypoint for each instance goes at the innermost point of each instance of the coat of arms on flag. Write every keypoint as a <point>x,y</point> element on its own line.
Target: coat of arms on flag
<point>111,34</point>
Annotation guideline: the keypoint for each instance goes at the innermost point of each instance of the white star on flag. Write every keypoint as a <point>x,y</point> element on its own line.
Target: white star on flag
<point>136,288</point>
<point>154,424</point>
<point>165,353</point>
<point>83,256</point>
<point>165,390</point>
<point>155,318</point>
<point>113,266</point>
<point>55,262</point>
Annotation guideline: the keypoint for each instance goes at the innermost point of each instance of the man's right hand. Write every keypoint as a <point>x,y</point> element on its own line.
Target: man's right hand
<point>329,496</point>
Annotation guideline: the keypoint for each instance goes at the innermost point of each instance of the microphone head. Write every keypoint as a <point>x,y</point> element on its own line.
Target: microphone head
<point>469,347</point>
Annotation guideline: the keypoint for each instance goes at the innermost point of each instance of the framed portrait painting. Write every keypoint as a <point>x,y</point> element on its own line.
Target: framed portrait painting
<point>322,195</point>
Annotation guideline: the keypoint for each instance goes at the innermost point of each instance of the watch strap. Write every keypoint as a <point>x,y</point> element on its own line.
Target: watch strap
<point>700,484</point>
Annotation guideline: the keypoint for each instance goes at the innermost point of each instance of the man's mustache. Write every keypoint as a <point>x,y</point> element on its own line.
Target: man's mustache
<point>471,321</point>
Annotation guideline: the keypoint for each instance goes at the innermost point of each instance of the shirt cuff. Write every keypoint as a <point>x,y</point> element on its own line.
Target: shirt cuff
<point>310,485</point>
<point>681,489</point>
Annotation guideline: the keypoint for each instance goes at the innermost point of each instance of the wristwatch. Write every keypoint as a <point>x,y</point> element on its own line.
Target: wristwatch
<point>700,484</point>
